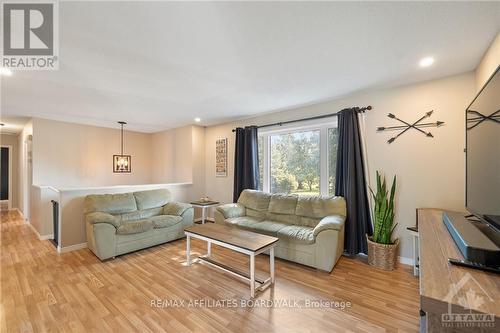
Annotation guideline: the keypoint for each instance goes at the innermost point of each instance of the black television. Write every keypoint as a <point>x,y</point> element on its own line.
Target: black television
<point>482,119</point>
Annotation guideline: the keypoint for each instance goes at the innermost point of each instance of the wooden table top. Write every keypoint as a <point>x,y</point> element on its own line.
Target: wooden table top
<point>234,236</point>
<point>442,282</point>
<point>204,203</point>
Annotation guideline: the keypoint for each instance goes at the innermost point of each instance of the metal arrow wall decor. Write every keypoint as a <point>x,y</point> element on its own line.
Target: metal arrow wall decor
<point>417,125</point>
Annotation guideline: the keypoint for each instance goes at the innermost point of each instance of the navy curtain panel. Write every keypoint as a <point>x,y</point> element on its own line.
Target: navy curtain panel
<point>246,161</point>
<point>350,182</point>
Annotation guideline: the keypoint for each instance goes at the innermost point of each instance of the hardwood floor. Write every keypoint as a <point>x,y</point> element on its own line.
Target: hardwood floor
<point>75,292</point>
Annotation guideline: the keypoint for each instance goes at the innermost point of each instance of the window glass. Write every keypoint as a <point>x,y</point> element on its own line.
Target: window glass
<point>332,158</point>
<point>295,163</point>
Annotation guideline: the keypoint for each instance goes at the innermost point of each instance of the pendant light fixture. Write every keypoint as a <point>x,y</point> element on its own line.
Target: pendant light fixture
<point>122,163</point>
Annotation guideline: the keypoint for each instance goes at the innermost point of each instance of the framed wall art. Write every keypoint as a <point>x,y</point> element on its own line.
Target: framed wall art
<point>221,158</point>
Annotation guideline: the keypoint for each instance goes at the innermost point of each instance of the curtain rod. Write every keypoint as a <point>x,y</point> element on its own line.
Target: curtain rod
<point>363,109</point>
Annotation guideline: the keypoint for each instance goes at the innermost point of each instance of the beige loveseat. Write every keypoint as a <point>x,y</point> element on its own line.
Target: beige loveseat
<point>310,229</point>
<point>126,222</point>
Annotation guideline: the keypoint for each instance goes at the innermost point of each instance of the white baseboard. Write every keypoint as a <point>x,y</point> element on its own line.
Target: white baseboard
<point>71,248</point>
<point>46,237</point>
<point>40,237</point>
<point>405,261</point>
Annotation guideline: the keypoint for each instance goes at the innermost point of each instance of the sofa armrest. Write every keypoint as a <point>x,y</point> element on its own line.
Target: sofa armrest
<point>332,222</point>
<point>100,217</point>
<point>232,210</point>
<point>176,208</point>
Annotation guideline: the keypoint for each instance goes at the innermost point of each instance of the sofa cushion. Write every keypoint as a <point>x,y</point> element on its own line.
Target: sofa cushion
<point>296,233</point>
<point>260,215</point>
<point>231,210</point>
<point>152,198</point>
<point>141,214</point>
<point>176,208</point>
<point>283,218</point>
<point>319,207</point>
<point>110,203</point>
<point>100,217</point>
<point>283,204</point>
<point>165,221</point>
<point>308,221</point>
<point>270,228</point>
<point>243,221</point>
<point>134,227</point>
<point>334,222</point>
<point>256,200</point>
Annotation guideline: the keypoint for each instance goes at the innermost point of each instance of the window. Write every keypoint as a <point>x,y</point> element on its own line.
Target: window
<point>299,160</point>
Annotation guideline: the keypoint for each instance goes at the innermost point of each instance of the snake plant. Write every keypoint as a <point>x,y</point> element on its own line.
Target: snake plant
<point>383,211</point>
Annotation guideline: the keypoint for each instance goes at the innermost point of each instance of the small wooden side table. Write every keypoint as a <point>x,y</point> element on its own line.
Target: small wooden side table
<point>204,205</point>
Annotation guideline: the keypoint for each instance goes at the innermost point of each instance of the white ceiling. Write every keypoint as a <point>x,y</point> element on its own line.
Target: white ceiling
<point>158,65</point>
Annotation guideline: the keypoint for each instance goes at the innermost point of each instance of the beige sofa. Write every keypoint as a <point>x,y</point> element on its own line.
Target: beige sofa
<point>126,222</point>
<point>310,229</point>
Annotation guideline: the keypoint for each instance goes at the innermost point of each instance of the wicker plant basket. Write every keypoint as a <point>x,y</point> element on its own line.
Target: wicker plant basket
<point>382,256</point>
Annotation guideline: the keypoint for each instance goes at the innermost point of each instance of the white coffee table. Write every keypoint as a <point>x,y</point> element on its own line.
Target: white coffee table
<point>242,241</point>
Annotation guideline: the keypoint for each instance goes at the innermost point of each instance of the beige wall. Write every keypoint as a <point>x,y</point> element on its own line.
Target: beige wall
<point>73,155</point>
<point>430,170</point>
<point>13,141</point>
<point>178,157</point>
<point>198,189</point>
<point>198,158</point>
<point>69,155</point>
<point>489,63</point>
<point>172,159</point>
<point>41,210</point>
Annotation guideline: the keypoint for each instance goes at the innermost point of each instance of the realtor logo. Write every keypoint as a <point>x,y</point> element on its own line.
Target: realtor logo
<point>468,299</point>
<point>30,35</point>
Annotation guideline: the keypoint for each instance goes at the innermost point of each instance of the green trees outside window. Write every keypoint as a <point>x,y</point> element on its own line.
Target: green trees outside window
<point>332,158</point>
<point>295,163</point>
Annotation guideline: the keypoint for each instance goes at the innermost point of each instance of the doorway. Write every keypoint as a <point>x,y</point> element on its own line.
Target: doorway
<point>6,178</point>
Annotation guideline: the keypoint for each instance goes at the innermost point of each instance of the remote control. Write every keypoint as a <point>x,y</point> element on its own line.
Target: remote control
<point>470,264</point>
